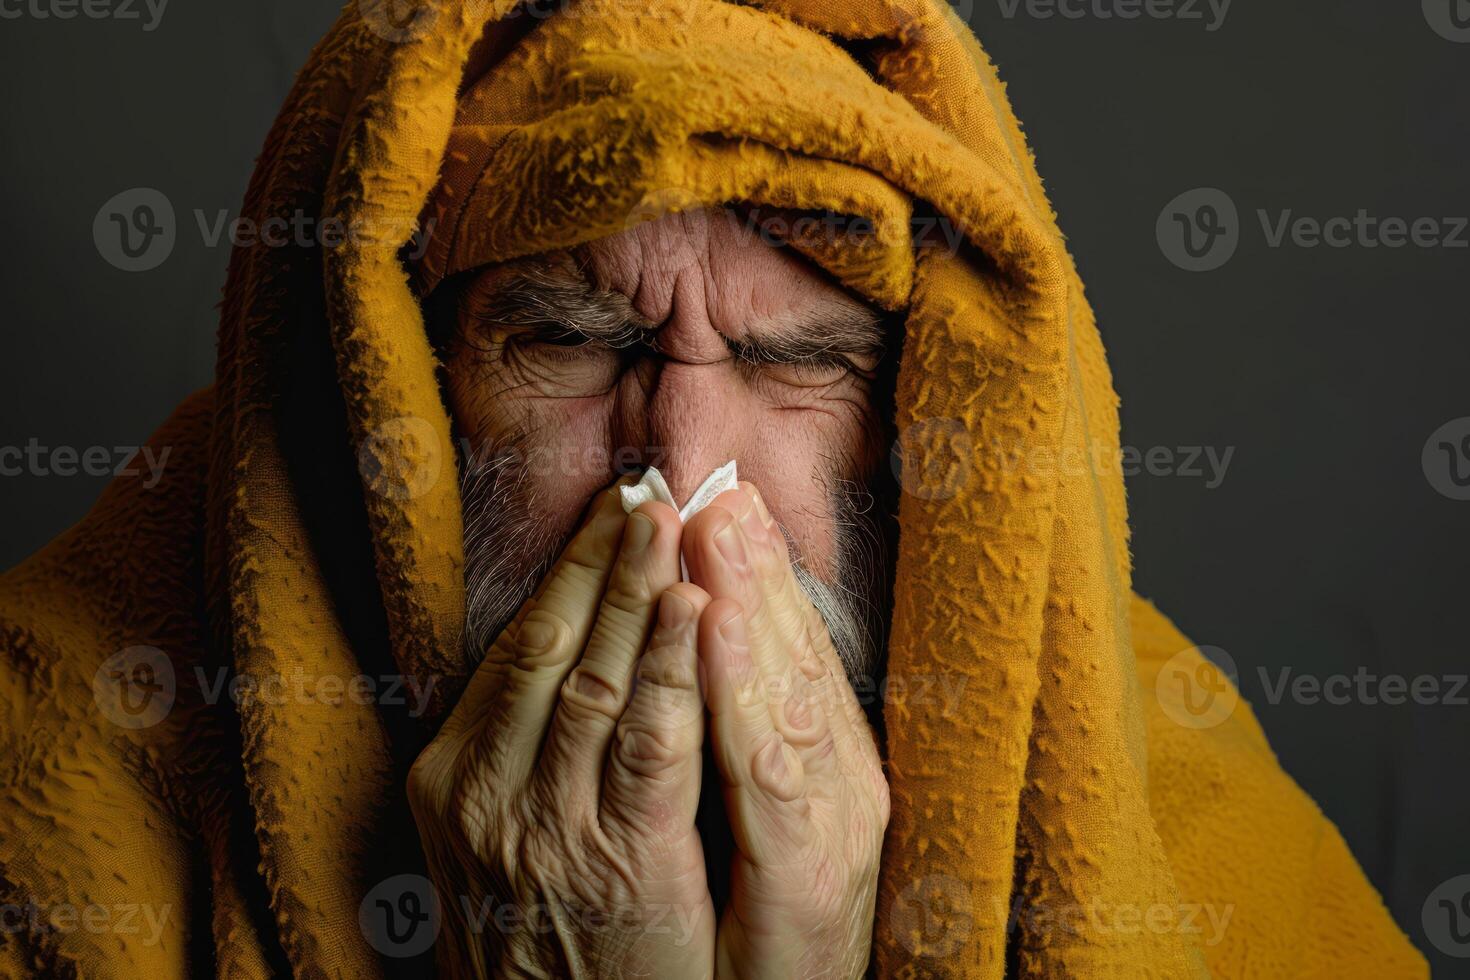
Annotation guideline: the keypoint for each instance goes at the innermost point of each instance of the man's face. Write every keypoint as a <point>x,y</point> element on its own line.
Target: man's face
<point>680,343</point>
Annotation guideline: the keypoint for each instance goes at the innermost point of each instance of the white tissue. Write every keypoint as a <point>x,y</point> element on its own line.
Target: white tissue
<point>654,487</point>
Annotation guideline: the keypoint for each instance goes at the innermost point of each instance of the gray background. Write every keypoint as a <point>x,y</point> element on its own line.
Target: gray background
<point>1325,549</point>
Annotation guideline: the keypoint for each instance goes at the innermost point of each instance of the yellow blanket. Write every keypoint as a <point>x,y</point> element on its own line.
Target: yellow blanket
<point>1068,809</point>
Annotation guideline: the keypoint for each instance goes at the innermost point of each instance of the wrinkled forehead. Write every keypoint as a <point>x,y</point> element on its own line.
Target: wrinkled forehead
<point>728,264</point>
<point>583,125</point>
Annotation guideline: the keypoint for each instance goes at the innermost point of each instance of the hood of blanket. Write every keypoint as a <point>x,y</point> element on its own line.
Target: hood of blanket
<point>334,518</point>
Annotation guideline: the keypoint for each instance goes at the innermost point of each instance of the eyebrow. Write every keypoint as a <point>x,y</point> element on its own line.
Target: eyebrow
<point>559,300</point>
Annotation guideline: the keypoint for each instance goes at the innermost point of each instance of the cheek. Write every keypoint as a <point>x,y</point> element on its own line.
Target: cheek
<point>562,442</point>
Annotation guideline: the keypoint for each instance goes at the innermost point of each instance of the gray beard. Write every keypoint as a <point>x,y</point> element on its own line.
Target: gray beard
<point>509,550</point>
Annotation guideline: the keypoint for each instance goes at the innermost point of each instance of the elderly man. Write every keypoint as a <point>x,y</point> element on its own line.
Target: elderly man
<point>315,706</point>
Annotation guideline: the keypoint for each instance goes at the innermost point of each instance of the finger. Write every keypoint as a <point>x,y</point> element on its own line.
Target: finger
<point>740,558</point>
<point>817,659</point>
<point>719,556</point>
<point>763,776</point>
<point>651,784</point>
<point>854,734</point>
<point>510,699</point>
<point>595,693</point>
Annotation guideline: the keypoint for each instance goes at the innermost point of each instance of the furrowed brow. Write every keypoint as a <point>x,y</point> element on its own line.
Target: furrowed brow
<point>557,300</point>
<point>831,331</point>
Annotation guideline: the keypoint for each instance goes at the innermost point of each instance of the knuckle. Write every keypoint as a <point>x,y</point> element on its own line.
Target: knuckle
<point>669,668</point>
<point>629,592</point>
<point>586,691</point>
<point>542,641</point>
<point>646,750</point>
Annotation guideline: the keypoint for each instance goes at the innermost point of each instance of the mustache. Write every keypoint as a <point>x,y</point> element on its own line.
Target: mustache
<point>510,546</point>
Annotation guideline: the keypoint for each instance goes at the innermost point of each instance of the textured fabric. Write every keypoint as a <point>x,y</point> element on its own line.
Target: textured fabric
<point>309,525</point>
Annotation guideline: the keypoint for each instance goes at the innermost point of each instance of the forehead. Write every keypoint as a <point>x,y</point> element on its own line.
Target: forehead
<point>714,269</point>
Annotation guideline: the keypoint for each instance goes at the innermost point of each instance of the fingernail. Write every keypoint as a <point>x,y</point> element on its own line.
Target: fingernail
<point>760,506</point>
<point>674,611</point>
<point>731,545</point>
<point>752,524</point>
<point>733,631</point>
<point>639,532</point>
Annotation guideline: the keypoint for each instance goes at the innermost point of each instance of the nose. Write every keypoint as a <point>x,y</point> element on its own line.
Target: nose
<point>697,422</point>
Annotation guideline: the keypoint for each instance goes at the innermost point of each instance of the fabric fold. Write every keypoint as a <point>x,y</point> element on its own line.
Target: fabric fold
<point>1047,798</point>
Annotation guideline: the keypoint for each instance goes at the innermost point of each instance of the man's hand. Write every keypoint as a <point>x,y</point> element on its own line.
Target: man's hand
<point>804,786</point>
<point>557,804</point>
